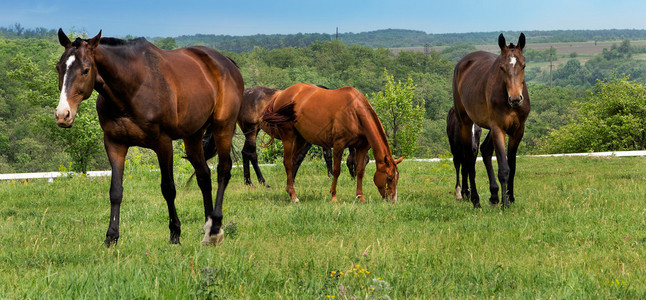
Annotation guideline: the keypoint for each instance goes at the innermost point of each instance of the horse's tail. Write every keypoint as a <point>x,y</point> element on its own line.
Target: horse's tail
<point>272,119</point>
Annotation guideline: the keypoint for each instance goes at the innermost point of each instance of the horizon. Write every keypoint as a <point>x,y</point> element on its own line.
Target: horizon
<point>165,18</point>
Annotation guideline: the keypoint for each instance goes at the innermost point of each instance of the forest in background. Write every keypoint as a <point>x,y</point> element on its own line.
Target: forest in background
<point>30,141</point>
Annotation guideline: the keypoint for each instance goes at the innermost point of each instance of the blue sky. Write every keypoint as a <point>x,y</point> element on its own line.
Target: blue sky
<point>247,17</point>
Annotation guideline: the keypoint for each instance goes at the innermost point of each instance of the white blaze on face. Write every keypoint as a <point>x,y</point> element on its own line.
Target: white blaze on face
<point>512,61</point>
<point>62,102</point>
<point>473,130</point>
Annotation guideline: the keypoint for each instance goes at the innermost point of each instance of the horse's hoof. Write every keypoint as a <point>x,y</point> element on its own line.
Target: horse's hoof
<point>334,199</point>
<point>110,241</point>
<point>361,198</point>
<point>295,200</point>
<point>214,240</point>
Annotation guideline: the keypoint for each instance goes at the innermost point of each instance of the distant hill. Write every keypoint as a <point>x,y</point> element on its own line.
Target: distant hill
<point>400,38</point>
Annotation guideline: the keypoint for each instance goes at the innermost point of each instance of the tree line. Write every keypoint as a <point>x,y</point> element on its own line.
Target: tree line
<point>30,141</point>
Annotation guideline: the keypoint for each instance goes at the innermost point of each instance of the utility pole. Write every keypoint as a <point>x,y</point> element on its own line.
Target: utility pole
<point>551,67</point>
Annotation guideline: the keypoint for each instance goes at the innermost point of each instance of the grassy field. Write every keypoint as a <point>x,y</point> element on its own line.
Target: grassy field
<point>577,230</point>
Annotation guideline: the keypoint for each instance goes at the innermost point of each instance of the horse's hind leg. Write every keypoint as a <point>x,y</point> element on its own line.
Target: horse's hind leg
<point>250,155</point>
<point>327,156</point>
<point>487,152</point>
<point>458,187</point>
<point>468,164</point>
<point>196,156</point>
<point>351,162</point>
<point>116,156</point>
<point>300,151</point>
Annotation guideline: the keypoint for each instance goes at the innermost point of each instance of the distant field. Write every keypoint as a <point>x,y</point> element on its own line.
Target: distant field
<point>577,230</point>
<point>585,51</point>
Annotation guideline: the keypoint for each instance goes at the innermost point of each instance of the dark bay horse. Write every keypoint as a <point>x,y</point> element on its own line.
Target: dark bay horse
<point>254,101</point>
<point>148,97</point>
<point>453,133</point>
<point>341,118</point>
<point>490,91</point>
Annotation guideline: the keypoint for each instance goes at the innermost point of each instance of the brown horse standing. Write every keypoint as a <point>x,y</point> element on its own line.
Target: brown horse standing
<point>453,133</point>
<point>490,91</point>
<point>341,118</point>
<point>148,97</point>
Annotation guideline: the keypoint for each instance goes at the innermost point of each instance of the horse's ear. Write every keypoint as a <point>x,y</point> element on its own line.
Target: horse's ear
<point>399,160</point>
<point>501,42</point>
<point>63,39</point>
<point>95,40</point>
<point>521,41</point>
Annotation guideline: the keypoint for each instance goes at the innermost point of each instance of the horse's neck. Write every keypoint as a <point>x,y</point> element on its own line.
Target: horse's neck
<point>115,68</point>
<point>376,136</point>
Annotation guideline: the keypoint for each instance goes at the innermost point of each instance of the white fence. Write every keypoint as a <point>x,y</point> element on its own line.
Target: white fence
<point>51,175</point>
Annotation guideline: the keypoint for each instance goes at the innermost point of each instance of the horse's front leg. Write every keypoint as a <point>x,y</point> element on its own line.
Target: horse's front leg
<point>336,168</point>
<point>164,152</point>
<point>498,137</point>
<point>514,142</point>
<point>360,157</point>
<point>487,152</point>
<point>116,155</point>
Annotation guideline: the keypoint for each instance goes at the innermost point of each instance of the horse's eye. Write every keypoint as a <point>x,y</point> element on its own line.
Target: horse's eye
<point>523,67</point>
<point>501,68</point>
<point>85,71</point>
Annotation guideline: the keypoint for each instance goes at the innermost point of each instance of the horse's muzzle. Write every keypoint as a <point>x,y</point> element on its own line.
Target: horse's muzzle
<point>64,119</point>
<point>515,102</point>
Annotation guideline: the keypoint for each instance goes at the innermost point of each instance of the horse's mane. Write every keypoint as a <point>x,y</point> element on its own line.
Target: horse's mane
<point>110,41</point>
<point>373,114</point>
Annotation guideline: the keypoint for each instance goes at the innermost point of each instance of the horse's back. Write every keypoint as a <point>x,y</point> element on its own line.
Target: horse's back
<point>318,110</point>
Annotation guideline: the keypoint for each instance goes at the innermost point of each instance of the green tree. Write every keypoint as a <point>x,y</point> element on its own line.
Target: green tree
<point>401,117</point>
<point>168,43</point>
<point>613,119</point>
<point>81,142</point>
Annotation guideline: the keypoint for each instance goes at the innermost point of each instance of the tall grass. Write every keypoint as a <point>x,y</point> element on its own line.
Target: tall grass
<point>577,230</point>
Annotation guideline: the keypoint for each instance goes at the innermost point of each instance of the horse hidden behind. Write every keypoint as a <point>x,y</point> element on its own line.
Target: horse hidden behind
<point>490,91</point>
<point>148,97</point>
<point>341,118</point>
<point>453,132</point>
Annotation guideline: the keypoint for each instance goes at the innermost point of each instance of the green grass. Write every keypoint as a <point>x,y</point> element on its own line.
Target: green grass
<point>577,230</point>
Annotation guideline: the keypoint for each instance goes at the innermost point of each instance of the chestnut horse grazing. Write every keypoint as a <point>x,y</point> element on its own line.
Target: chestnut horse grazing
<point>148,97</point>
<point>453,132</point>
<point>490,91</point>
<point>341,118</point>
<point>254,101</point>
